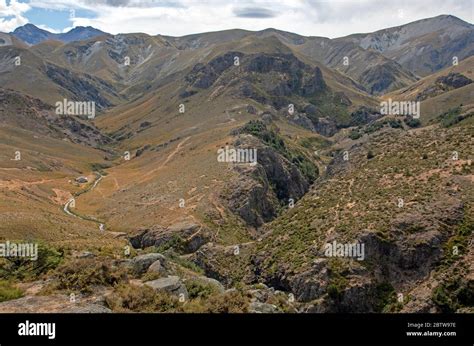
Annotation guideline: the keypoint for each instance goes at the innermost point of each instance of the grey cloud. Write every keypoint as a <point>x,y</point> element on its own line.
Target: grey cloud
<point>254,12</point>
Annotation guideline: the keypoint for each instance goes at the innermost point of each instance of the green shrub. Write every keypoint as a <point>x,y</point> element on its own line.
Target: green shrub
<point>451,117</point>
<point>174,257</point>
<point>395,123</point>
<point>385,297</point>
<point>26,269</point>
<point>354,134</point>
<point>412,122</point>
<point>81,275</point>
<point>335,291</point>
<point>198,289</point>
<point>229,302</point>
<point>130,298</point>
<point>8,291</point>
<point>443,300</point>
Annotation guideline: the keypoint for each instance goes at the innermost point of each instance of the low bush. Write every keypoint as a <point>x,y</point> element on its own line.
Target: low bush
<point>8,291</point>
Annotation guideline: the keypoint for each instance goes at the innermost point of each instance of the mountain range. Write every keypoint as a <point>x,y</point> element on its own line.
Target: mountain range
<point>331,167</point>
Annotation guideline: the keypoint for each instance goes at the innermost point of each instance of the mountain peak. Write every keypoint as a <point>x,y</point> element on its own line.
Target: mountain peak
<point>81,33</point>
<point>31,34</point>
<point>28,27</point>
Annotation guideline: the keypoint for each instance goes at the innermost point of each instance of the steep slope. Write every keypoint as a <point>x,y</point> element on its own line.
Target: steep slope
<point>443,91</point>
<point>23,70</point>
<point>127,60</point>
<point>405,198</point>
<point>377,77</point>
<point>138,59</point>
<point>424,46</point>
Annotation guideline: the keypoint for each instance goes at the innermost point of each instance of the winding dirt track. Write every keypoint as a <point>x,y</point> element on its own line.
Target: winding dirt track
<point>67,206</point>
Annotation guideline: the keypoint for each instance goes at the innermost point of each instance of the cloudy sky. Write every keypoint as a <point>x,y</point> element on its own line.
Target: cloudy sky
<point>329,18</point>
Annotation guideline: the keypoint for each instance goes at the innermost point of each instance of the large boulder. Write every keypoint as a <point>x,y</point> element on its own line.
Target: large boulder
<point>262,308</point>
<point>140,264</point>
<point>171,284</point>
<point>157,268</point>
<point>183,237</point>
<point>56,303</point>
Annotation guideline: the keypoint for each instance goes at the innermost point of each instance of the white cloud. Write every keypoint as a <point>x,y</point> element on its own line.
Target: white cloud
<point>11,15</point>
<point>47,28</point>
<point>308,17</point>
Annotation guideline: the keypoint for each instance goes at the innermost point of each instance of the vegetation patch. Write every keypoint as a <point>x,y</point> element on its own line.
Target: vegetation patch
<point>271,138</point>
<point>25,269</point>
<point>83,275</point>
<point>8,291</point>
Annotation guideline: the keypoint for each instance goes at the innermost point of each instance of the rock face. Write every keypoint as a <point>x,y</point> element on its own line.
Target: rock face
<point>33,114</point>
<point>170,284</point>
<point>325,126</point>
<point>184,237</point>
<point>417,46</point>
<point>203,76</point>
<point>364,115</point>
<point>443,84</point>
<point>283,77</point>
<point>258,190</point>
<point>379,78</point>
<point>157,268</point>
<point>91,88</point>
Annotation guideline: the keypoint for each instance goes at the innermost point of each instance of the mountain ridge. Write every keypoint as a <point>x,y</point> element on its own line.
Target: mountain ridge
<point>31,34</point>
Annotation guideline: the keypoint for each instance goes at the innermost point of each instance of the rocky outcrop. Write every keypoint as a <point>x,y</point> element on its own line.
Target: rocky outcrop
<point>325,126</point>
<point>443,84</point>
<point>257,192</point>
<point>379,78</point>
<point>290,77</point>
<point>157,267</point>
<point>364,115</point>
<point>454,80</point>
<point>204,75</point>
<point>184,237</point>
<point>142,263</point>
<point>262,308</point>
<point>57,303</point>
<point>88,87</point>
<point>34,115</point>
<point>171,284</point>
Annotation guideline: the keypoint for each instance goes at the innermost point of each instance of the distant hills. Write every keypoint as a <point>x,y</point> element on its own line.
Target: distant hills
<point>398,56</point>
<point>32,35</point>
